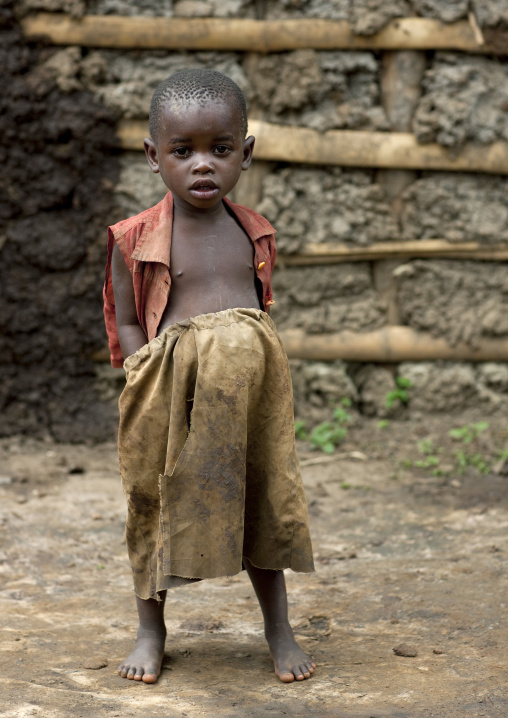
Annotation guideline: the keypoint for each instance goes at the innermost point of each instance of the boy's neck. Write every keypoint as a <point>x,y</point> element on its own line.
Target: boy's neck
<point>188,212</point>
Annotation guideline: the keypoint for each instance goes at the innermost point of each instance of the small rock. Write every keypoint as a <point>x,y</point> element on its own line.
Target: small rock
<point>5,480</point>
<point>21,499</point>
<point>405,651</point>
<point>94,663</point>
<point>76,470</point>
<point>437,651</point>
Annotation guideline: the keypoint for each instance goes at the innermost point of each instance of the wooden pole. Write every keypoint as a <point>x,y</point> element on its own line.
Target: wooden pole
<point>401,88</point>
<point>222,34</point>
<point>351,148</point>
<point>314,254</point>
<point>388,345</point>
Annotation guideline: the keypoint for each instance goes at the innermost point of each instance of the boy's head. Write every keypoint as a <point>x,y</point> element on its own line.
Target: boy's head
<point>198,144</point>
<point>196,87</point>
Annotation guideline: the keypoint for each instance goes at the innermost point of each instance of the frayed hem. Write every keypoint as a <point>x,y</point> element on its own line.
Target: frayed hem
<point>195,579</point>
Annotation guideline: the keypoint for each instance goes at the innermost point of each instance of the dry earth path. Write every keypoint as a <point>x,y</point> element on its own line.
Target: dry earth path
<point>402,560</point>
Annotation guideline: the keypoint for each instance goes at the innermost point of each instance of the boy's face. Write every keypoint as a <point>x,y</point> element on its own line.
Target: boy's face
<point>200,152</point>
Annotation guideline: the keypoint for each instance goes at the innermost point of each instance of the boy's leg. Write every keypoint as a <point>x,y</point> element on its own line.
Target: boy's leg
<point>290,661</point>
<point>145,661</point>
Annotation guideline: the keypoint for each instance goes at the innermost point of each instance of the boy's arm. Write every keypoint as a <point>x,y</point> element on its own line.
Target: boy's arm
<point>130,334</point>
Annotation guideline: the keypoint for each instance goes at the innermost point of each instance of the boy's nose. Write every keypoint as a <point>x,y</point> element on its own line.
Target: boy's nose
<point>202,165</point>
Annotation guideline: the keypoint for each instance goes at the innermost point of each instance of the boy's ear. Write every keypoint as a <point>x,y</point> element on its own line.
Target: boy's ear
<point>151,154</point>
<point>248,147</point>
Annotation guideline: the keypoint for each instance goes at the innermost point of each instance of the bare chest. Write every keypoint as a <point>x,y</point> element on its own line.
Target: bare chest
<point>215,254</point>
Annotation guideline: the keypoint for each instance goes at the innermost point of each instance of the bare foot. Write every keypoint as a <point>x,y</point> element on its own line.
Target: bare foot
<point>145,661</point>
<point>289,661</point>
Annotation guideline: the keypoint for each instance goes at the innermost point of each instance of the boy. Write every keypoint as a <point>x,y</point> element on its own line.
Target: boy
<point>206,436</point>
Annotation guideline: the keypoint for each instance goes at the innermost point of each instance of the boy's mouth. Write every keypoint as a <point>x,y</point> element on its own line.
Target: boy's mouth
<point>204,189</point>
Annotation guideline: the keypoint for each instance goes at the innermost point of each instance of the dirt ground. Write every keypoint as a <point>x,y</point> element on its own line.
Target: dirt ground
<point>407,557</point>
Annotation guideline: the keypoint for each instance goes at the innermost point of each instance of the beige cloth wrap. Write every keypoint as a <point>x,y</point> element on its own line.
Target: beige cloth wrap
<point>207,453</point>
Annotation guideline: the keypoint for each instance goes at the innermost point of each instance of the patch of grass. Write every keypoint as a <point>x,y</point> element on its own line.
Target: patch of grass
<point>360,487</point>
<point>429,460</point>
<point>468,433</point>
<point>329,434</point>
<point>427,463</point>
<point>467,456</point>
<point>478,461</point>
<point>399,395</point>
<point>425,446</point>
<point>383,423</point>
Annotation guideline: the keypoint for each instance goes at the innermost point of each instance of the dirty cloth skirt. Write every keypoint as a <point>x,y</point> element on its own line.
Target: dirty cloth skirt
<point>207,453</point>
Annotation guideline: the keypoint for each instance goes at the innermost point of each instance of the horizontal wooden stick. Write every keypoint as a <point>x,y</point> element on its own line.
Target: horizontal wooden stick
<point>390,344</point>
<point>417,248</point>
<point>351,148</point>
<point>251,35</point>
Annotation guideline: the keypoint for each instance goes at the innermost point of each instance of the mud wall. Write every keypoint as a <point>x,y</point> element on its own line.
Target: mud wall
<point>460,98</point>
<point>59,169</point>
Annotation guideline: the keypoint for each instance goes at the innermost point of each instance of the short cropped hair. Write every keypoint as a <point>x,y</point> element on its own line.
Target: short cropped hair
<point>200,86</point>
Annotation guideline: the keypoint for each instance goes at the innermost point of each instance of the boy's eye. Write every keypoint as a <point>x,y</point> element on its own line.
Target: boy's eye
<point>222,149</point>
<point>181,151</point>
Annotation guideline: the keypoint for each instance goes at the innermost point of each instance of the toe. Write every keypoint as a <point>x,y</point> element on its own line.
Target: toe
<point>149,678</point>
<point>298,673</point>
<point>139,674</point>
<point>305,671</point>
<point>286,676</point>
<point>131,673</point>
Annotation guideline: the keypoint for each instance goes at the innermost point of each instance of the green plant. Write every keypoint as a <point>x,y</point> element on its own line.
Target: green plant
<point>503,454</point>
<point>478,461</point>
<point>427,462</point>
<point>382,423</point>
<point>425,446</point>
<point>340,414</point>
<point>327,435</point>
<point>400,394</point>
<point>467,434</point>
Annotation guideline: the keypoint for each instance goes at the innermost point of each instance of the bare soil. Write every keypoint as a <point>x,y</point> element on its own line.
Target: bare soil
<point>406,560</point>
